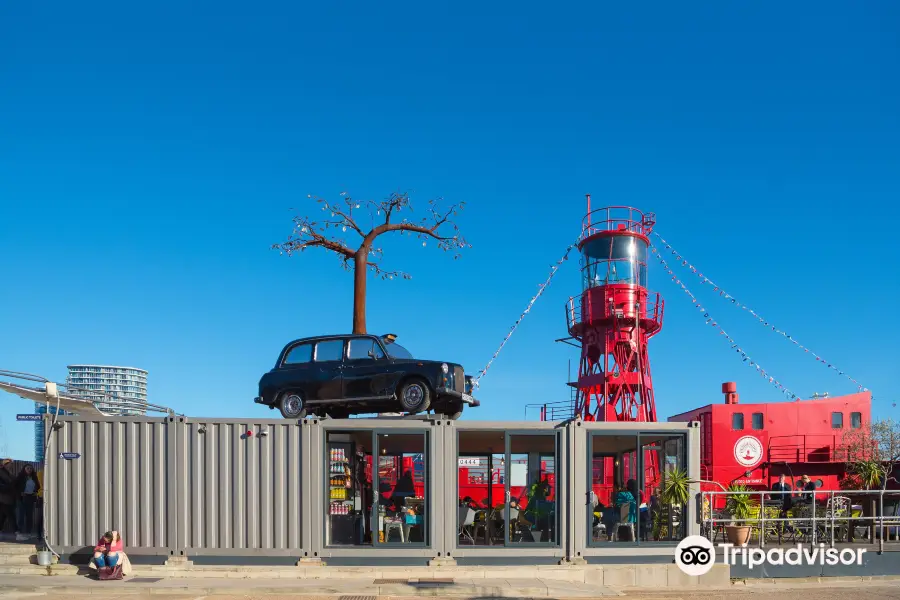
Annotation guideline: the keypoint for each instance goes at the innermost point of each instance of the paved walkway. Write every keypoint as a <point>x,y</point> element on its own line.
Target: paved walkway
<point>361,589</point>
<point>81,588</point>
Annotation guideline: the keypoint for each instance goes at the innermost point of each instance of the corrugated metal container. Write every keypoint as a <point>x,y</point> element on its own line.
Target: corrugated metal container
<point>239,486</point>
<point>180,486</point>
<point>124,479</point>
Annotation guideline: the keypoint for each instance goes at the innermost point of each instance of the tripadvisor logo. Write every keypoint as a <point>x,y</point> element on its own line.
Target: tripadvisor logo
<point>696,555</point>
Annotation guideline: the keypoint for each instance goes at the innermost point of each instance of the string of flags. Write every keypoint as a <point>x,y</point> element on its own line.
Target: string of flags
<point>534,298</point>
<point>763,321</point>
<point>715,325</point>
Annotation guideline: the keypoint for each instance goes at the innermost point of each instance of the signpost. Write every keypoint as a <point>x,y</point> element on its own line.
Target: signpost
<point>69,455</point>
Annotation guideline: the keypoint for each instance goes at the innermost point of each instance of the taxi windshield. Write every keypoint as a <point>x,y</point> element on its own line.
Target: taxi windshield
<point>395,350</point>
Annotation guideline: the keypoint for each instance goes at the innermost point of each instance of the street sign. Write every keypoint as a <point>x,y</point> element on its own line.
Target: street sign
<point>69,455</point>
<point>29,417</point>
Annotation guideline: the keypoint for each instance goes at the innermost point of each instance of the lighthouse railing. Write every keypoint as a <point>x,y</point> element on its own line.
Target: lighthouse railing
<point>582,309</point>
<point>616,218</point>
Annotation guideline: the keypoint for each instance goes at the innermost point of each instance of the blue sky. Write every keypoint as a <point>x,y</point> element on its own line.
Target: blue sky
<point>149,158</point>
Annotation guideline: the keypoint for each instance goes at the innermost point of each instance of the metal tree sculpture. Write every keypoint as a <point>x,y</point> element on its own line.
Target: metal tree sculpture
<point>342,217</point>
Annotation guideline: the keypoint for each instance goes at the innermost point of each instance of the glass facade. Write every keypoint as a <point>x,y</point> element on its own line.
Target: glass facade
<point>614,259</point>
<point>98,382</point>
<point>377,488</point>
<point>633,488</point>
<point>507,488</point>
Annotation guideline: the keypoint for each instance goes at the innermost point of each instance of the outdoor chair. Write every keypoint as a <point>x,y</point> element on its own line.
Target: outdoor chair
<point>623,521</point>
<point>723,519</point>
<point>487,521</point>
<point>891,522</point>
<point>774,527</point>
<point>466,518</point>
<point>838,509</point>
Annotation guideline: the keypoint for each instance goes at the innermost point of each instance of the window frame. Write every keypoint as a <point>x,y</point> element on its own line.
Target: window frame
<point>762,421</point>
<point>375,344</point>
<point>856,423</point>
<point>284,361</point>
<point>343,342</point>
<point>743,426</point>
<point>839,414</point>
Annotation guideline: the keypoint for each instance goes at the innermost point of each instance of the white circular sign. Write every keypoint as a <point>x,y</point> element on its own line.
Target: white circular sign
<point>695,555</point>
<point>748,451</point>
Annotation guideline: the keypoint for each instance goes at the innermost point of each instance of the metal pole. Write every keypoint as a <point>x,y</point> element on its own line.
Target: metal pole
<point>762,520</point>
<point>589,210</point>
<point>637,343</point>
<point>814,517</point>
<point>831,501</point>
<point>881,521</point>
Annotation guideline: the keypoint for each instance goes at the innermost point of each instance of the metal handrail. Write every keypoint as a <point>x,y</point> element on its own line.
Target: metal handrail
<point>611,217</point>
<point>77,392</point>
<point>25,376</point>
<point>880,522</point>
<point>830,447</point>
<point>574,314</point>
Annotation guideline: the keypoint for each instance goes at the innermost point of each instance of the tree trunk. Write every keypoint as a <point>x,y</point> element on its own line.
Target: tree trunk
<point>360,268</point>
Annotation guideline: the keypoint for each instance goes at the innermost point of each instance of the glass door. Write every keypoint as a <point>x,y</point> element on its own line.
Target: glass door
<point>400,504</point>
<point>531,489</point>
<point>665,487</point>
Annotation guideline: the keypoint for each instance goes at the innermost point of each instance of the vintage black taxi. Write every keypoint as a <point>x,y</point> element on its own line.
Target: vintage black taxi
<point>340,375</point>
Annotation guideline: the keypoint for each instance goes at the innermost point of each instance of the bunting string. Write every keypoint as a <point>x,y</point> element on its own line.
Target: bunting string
<point>715,325</point>
<point>541,288</point>
<point>763,321</point>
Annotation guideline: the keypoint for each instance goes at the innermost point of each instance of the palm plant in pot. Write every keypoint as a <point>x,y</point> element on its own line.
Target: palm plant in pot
<point>673,496</point>
<point>739,506</point>
<point>536,517</point>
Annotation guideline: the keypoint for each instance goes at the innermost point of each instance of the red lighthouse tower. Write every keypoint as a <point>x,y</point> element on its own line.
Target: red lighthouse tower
<point>615,317</point>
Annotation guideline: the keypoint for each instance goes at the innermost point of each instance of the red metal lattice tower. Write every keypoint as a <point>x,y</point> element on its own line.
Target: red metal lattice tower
<point>615,316</point>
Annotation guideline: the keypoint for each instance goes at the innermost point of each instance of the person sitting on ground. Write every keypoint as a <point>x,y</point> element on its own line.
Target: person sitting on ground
<point>108,549</point>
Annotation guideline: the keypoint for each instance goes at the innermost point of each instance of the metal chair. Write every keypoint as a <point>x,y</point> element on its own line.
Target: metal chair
<point>837,508</point>
<point>623,521</point>
<point>466,518</point>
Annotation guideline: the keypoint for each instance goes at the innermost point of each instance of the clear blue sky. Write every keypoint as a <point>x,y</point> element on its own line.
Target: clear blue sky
<point>150,156</point>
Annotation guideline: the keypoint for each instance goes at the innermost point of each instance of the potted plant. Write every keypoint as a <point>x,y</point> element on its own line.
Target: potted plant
<point>538,510</point>
<point>674,494</point>
<point>739,505</point>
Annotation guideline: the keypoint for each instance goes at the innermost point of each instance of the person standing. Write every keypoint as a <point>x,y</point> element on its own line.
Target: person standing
<point>27,487</point>
<point>785,495</point>
<point>39,518</point>
<point>7,498</point>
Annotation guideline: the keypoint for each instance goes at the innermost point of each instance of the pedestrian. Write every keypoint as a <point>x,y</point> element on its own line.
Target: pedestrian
<point>784,495</point>
<point>7,498</point>
<point>27,488</point>
<point>39,518</point>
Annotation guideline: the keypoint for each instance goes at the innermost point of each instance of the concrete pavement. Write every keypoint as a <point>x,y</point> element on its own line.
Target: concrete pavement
<point>362,589</point>
<point>80,588</point>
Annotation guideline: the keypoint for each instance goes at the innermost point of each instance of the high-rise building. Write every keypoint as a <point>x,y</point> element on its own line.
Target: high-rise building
<point>125,384</point>
<point>103,385</point>
<point>40,408</point>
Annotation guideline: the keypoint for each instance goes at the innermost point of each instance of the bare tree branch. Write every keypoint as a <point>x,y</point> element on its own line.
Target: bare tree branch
<point>437,226</point>
<point>383,274</point>
<point>873,450</point>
